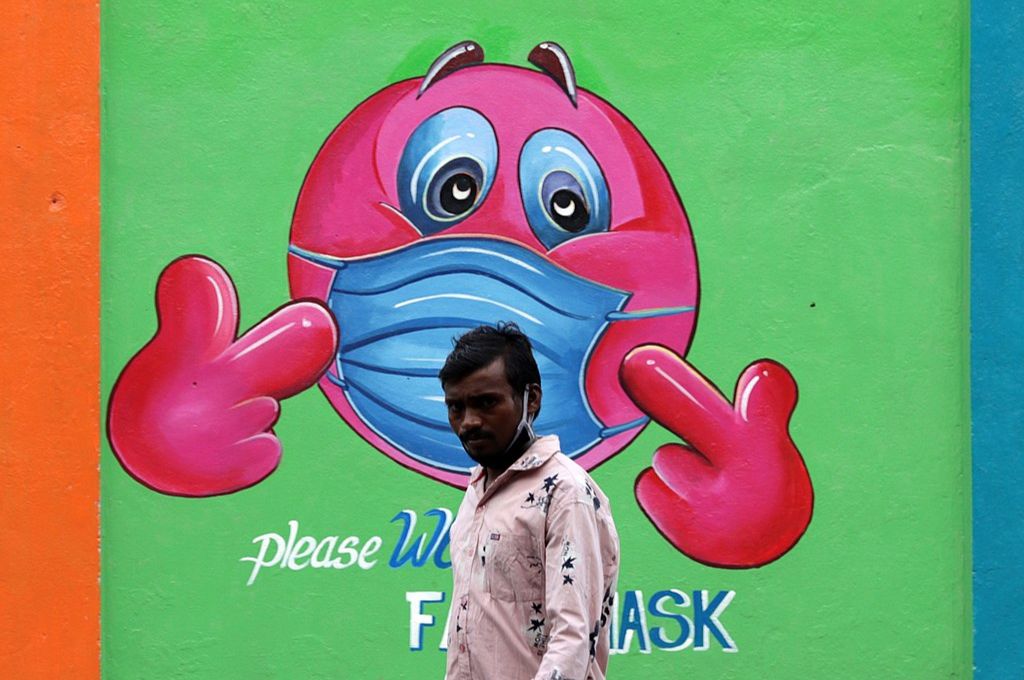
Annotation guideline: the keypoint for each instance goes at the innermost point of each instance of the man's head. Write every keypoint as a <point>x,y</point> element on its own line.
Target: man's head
<point>485,379</point>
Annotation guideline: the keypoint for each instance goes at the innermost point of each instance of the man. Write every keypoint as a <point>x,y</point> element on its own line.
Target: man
<point>535,554</point>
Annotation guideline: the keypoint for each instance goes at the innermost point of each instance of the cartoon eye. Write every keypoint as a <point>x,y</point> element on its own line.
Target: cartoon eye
<point>454,188</point>
<point>564,200</point>
<point>446,169</point>
<point>563,189</point>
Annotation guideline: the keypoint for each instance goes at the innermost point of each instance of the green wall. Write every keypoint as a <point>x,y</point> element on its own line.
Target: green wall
<point>819,149</point>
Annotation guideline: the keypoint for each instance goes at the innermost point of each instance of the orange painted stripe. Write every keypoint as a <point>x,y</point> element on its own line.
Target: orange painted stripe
<point>49,339</point>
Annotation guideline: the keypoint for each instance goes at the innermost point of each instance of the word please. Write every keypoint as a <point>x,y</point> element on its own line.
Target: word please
<point>670,620</point>
<point>295,553</point>
<point>332,552</point>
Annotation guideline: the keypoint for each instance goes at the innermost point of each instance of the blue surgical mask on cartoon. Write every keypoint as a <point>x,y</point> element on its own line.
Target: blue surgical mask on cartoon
<point>398,311</point>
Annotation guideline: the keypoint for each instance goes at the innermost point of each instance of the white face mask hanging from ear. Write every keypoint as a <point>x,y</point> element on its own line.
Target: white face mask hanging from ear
<point>525,425</point>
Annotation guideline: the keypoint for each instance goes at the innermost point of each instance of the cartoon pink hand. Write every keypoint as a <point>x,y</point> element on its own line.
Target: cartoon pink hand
<point>191,413</point>
<point>738,493</point>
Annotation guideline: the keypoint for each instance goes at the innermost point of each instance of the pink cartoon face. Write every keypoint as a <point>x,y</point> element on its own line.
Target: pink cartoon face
<point>485,193</point>
<point>477,194</point>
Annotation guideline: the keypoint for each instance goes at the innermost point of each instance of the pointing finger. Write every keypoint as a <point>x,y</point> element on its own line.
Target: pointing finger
<point>285,353</point>
<point>677,396</point>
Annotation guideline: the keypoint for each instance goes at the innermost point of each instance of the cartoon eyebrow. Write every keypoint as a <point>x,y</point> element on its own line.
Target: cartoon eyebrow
<point>552,59</point>
<point>459,55</point>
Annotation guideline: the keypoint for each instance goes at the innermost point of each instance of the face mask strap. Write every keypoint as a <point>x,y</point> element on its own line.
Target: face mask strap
<point>527,421</point>
<point>525,425</point>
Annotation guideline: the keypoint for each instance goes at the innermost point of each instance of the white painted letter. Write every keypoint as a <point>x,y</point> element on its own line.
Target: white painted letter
<point>417,619</point>
<point>260,560</point>
<point>369,548</point>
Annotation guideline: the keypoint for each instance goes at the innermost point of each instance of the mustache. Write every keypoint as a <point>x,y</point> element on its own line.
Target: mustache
<point>474,435</point>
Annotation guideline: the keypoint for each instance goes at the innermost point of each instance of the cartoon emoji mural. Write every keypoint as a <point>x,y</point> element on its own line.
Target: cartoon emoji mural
<point>480,192</point>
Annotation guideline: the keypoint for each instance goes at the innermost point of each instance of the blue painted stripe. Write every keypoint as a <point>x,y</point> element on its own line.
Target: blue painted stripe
<point>997,335</point>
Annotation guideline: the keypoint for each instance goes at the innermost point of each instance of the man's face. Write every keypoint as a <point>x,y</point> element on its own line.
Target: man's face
<point>484,412</point>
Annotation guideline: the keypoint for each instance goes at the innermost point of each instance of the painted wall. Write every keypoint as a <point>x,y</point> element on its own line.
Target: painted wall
<point>820,154</point>
<point>49,332</point>
<point>997,329</point>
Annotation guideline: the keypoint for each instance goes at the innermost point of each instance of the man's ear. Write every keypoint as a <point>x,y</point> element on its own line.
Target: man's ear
<point>533,405</point>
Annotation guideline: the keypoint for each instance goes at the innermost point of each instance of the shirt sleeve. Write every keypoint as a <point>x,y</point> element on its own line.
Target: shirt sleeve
<point>574,583</point>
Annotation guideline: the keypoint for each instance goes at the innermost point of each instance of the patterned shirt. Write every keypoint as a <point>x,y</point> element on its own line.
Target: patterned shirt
<point>534,560</point>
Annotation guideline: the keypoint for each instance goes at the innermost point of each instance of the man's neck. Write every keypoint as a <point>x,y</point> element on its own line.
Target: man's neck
<point>490,474</point>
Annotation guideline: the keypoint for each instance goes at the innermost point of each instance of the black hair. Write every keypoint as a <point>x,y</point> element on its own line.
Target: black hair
<point>480,346</point>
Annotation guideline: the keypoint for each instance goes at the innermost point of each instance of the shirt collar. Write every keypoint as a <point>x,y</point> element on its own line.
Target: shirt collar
<point>539,452</point>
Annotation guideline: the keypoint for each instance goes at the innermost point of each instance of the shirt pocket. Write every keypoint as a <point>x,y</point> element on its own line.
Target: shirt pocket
<point>515,567</point>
